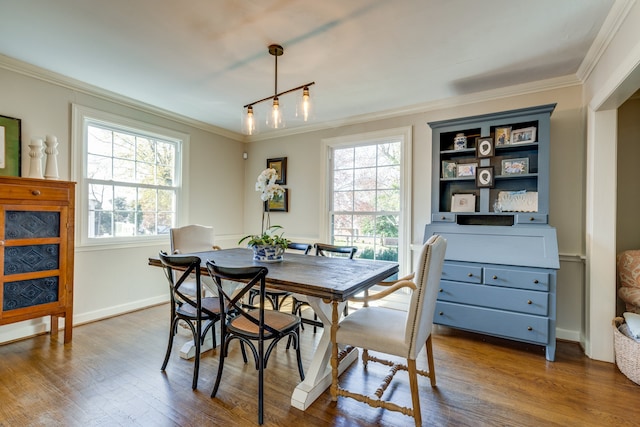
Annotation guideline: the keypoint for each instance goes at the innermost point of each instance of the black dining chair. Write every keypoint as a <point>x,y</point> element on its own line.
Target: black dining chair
<point>277,296</point>
<point>322,249</point>
<point>249,324</point>
<point>194,309</point>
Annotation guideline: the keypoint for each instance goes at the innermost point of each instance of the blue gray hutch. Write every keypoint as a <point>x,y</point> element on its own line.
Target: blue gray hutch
<point>490,200</point>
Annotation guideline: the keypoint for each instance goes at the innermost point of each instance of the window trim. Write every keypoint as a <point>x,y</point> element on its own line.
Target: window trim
<point>404,134</point>
<point>80,114</point>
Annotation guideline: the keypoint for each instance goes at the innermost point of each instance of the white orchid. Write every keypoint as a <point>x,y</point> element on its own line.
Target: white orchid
<point>266,185</point>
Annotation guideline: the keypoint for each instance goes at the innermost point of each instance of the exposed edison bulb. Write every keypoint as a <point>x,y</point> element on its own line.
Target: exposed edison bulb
<point>304,109</point>
<point>274,117</point>
<point>248,121</point>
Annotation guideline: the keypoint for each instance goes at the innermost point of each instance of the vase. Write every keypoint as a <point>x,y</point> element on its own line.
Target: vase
<point>460,142</point>
<point>268,253</point>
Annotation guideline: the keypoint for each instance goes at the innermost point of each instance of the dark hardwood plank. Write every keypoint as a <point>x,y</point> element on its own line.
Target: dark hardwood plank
<point>110,375</point>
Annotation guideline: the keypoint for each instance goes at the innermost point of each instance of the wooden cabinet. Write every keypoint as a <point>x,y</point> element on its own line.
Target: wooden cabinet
<point>36,251</point>
<point>499,276</point>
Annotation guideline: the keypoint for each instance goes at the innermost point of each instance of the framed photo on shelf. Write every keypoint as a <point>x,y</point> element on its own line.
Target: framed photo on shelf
<point>523,136</point>
<point>279,203</point>
<point>280,165</point>
<point>448,169</point>
<point>466,170</point>
<point>484,147</point>
<point>484,177</point>
<point>503,136</point>
<point>463,202</point>
<point>10,146</point>
<point>515,166</point>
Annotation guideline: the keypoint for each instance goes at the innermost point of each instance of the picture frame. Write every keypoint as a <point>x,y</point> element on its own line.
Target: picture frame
<point>502,136</point>
<point>10,146</point>
<point>463,202</point>
<point>518,166</point>
<point>523,136</point>
<point>464,170</point>
<point>485,177</point>
<point>280,165</point>
<point>279,203</point>
<point>484,147</point>
<point>449,169</point>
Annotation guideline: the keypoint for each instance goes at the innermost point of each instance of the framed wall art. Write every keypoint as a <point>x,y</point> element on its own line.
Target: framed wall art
<point>463,202</point>
<point>279,203</point>
<point>484,177</point>
<point>503,136</point>
<point>10,146</point>
<point>484,147</point>
<point>523,136</point>
<point>515,166</point>
<point>280,165</point>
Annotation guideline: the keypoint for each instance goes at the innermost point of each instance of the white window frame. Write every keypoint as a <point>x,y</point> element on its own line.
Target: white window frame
<point>402,134</point>
<point>81,115</point>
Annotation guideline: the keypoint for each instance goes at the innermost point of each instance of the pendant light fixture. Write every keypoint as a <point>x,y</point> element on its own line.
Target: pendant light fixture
<point>275,117</point>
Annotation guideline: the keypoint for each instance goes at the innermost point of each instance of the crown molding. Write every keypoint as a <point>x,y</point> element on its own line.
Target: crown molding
<point>48,76</point>
<point>615,18</point>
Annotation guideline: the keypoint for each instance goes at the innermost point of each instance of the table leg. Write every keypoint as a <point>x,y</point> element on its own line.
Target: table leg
<point>318,375</point>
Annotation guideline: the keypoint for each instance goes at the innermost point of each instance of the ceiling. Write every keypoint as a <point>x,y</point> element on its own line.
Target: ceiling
<point>205,59</point>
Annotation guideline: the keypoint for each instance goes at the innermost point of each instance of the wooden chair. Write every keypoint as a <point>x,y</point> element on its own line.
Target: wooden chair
<point>277,296</point>
<point>250,324</point>
<point>394,332</point>
<point>194,309</point>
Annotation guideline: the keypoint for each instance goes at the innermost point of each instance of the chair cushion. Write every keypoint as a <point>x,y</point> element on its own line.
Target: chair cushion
<point>283,322</point>
<point>375,328</point>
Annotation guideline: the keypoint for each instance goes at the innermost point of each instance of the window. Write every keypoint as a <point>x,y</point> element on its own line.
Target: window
<point>368,194</point>
<point>129,180</point>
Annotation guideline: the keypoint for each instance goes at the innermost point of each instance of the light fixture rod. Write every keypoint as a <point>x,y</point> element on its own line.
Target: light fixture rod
<point>279,94</point>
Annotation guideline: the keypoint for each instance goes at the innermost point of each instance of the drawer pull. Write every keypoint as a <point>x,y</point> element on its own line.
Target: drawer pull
<point>536,281</point>
<point>35,192</point>
<point>441,290</point>
<point>470,274</point>
<point>532,219</point>
<point>495,277</point>
<point>529,302</point>
<point>443,217</point>
<point>529,328</point>
<point>441,313</point>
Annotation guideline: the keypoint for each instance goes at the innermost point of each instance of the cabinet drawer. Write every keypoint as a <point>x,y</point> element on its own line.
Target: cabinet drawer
<point>34,192</point>
<point>530,218</point>
<point>493,322</point>
<point>518,300</point>
<point>443,217</point>
<point>461,273</point>
<point>523,279</point>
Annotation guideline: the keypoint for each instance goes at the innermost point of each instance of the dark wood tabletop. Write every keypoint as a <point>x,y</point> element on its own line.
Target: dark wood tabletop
<point>332,278</point>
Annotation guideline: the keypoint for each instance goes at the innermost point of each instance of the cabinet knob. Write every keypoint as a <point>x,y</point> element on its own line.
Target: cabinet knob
<point>441,290</point>
<point>529,302</point>
<point>470,274</point>
<point>536,281</point>
<point>443,217</point>
<point>532,219</point>
<point>35,192</point>
<point>441,313</point>
<point>529,328</point>
<point>495,277</point>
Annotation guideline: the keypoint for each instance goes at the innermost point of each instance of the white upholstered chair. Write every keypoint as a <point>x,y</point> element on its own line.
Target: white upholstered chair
<point>395,332</point>
<point>189,239</point>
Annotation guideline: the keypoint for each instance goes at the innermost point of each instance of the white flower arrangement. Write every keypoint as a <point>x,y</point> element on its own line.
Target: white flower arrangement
<point>266,185</point>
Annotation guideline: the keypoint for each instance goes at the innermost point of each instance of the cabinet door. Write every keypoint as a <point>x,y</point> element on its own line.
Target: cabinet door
<point>33,239</point>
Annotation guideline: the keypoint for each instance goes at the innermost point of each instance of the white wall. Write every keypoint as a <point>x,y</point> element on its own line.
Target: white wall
<point>109,281</point>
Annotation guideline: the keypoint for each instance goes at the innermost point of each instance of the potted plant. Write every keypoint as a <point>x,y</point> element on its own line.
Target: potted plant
<point>269,246</point>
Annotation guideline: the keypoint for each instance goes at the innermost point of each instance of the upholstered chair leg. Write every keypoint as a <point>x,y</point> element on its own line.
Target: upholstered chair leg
<point>432,369</point>
<point>415,397</point>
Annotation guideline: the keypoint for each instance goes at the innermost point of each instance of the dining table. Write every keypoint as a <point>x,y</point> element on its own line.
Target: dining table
<point>326,283</point>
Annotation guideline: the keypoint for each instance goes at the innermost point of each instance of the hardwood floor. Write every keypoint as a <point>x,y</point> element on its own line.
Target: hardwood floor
<point>110,376</point>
